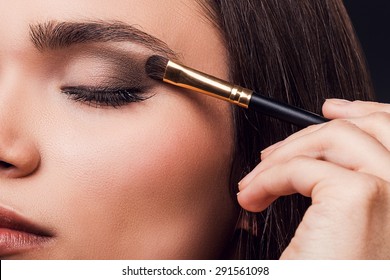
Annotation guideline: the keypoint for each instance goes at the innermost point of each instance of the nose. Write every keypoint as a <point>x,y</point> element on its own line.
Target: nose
<point>19,155</point>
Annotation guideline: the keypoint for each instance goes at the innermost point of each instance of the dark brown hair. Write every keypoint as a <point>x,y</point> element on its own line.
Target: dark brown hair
<point>300,52</point>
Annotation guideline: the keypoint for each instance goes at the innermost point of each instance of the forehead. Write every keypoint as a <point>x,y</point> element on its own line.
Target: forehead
<point>182,25</point>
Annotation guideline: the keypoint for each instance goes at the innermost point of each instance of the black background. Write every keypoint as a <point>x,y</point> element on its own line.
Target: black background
<point>371,20</point>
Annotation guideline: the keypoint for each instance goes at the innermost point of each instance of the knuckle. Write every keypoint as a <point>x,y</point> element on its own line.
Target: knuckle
<point>359,102</point>
<point>380,117</point>
<point>298,161</point>
<point>367,190</point>
<point>339,125</point>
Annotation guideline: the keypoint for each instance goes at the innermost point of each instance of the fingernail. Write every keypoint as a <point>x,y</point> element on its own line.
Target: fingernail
<point>272,147</point>
<point>244,181</point>
<point>337,101</point>
<point>239,185</point>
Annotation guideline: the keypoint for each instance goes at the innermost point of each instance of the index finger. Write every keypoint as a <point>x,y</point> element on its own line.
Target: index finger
<point>340,108</point>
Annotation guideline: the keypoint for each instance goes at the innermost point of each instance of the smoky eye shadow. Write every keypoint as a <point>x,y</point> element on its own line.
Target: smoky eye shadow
<point>102,77</point>
<point>103,65</point>
<point>125,68</point>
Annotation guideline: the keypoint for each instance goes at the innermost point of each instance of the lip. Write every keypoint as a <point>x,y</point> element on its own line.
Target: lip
<point>17,234</point>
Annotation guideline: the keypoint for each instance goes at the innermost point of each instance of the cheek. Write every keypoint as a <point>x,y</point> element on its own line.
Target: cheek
<point>163,166</point>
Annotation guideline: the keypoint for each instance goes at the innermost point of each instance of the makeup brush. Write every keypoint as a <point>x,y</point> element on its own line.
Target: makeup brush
<point>163,69</point>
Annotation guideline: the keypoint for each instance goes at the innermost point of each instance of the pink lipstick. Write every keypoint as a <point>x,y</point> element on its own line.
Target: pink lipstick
<point>17,234</point>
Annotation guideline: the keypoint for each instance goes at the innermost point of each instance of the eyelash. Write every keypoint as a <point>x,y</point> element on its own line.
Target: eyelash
<point>104,96</point>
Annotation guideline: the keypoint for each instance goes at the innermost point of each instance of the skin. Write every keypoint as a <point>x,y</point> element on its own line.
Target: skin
<point>147,180</point>
<point>150,180</point>
<point>350,215</point>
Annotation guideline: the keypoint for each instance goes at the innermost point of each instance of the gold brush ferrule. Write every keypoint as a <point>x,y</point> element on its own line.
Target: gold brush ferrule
<point>186,77</point>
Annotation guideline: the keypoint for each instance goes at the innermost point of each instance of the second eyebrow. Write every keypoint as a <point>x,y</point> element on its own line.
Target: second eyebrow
<point>56,35</point>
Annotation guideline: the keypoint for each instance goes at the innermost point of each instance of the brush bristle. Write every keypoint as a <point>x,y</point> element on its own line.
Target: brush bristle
<point>155,67</point>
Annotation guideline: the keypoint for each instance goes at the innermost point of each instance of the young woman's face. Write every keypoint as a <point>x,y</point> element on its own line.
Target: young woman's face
<point>102,177</point>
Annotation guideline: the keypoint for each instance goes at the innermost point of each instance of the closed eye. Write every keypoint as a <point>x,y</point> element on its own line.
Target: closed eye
<point>105,96</point>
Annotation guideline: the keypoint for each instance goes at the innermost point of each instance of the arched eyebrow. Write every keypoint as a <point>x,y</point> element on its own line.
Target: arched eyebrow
<point>54,35</point>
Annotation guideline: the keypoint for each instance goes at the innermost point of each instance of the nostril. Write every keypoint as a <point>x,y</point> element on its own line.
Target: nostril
<point>5,165</point>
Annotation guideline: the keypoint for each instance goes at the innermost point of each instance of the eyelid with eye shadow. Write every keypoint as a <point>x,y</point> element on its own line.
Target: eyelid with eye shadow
<point>119,80</point>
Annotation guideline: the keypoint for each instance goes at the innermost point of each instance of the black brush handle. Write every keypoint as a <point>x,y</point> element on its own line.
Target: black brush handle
<point>283,111</point>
